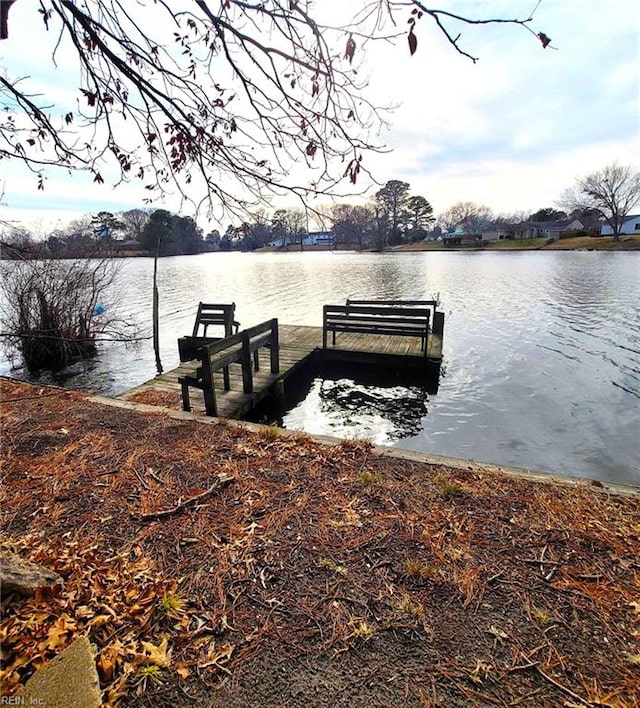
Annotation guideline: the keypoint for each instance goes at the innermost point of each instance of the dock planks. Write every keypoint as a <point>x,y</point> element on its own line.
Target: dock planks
<point>297,343</point>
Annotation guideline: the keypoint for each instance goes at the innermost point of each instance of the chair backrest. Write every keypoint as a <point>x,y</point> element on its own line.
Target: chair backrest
<point>215,314</point>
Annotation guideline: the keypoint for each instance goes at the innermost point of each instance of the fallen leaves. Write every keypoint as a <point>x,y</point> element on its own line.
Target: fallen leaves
<point>313,551</point>
<point>97,602</point>
<point>159,655</point>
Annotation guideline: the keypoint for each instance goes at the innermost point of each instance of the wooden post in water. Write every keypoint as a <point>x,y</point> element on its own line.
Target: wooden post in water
<point>274,350</point>
<point>155,318</point>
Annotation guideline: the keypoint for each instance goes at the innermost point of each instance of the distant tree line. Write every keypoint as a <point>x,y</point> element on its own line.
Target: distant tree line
<point>105,233</point>
<point>393,216</point>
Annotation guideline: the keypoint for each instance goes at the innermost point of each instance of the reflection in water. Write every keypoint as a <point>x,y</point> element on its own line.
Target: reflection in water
<point>542,349</point>
<point>386,414</point>
<point>342,399</point>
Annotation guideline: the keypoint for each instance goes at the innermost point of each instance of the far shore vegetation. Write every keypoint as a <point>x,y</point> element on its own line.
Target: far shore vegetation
<point>598,216</point>
<point>54,303</point>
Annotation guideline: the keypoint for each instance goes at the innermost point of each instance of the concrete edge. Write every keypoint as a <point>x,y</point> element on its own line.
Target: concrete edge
<point>391,452</point>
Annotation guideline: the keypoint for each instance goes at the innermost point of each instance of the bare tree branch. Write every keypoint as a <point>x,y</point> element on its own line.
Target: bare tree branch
<point>612,191</point>
<point>228,100</point>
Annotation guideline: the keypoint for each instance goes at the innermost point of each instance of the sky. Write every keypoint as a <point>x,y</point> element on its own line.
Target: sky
<point>511,131</point>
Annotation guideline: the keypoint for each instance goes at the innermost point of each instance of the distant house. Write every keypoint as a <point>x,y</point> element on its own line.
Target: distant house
<point>313,238</point>
<point>434,234</point>
<point>550,229</point>
<point>130,245</point>
<point>318,238</point>
<point>631,225</point>
<point>492,232</point>
<point>471,234</point>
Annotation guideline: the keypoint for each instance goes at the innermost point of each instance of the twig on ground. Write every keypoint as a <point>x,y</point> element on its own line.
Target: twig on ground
<point>154,475</point>
<point>219,481</point>
<point>565,690</point>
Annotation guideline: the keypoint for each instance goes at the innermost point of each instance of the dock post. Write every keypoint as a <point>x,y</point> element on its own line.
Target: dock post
<point>324,327</point>
<point>186,403</point>
<point>274,349</point>
<point>208,385</point>
<point>438,323</point>
<point>247,374</point>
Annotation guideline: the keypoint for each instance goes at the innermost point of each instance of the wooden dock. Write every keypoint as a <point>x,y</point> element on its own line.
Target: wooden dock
<point>298,344</point>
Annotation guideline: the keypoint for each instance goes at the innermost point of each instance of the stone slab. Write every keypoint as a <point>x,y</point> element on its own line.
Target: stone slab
<point>68,681</point>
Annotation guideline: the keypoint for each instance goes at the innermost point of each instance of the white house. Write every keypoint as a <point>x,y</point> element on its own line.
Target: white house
<point>631,225</point>
<point>313,238</point>
<point>318,238</point>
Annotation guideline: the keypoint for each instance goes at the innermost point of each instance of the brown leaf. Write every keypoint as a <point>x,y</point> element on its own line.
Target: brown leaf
<point>158,655</point>
<point>350,49</point>
<point>413,42</point>
<point>183,671</point>
<point>106,663</point>
<point>545,41</point>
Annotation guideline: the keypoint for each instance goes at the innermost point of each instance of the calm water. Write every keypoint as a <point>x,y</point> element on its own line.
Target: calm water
<point>541,362</point>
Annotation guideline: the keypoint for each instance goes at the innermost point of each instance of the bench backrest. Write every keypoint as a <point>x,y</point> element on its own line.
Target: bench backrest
<point>255,337</point>
<point>215,314</point>
<point>394,303</point>
<point>437,318</point>
<point>377,313</point>
<point>409,304</point>
<point>238,349</point>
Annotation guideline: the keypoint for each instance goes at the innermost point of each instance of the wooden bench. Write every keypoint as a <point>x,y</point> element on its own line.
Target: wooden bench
<point>241,348</point>
<point>437,317</point>
<point>382,318</point>
<point>208,315</point>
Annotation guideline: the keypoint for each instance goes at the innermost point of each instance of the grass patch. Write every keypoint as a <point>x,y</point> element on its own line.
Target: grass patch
<point>270,433</point>
<point>332,565</point>
<point>171,604</point>
<point>366,478</point>
<point>449,489</point>
<point>516,244</point>
<point>416,568</point>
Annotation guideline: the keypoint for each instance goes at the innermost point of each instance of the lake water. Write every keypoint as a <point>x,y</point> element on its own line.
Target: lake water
<point>541,351</point>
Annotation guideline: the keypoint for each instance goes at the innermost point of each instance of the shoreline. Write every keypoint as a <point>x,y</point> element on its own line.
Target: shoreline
<point>580,243</point>
<point>382,450</point>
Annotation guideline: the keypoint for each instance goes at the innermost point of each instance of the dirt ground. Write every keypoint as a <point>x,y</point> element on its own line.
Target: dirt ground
<point>217,566</point>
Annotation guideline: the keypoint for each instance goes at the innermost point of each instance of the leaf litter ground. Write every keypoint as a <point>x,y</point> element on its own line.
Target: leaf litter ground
<point>312,574</point>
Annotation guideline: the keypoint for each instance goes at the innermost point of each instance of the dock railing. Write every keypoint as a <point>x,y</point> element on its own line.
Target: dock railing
<point>241,348</point>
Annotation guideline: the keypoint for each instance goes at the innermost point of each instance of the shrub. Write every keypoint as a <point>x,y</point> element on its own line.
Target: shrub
<point>55,310</point>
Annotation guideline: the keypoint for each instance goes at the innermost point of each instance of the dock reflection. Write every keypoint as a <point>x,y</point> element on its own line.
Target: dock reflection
<point>349,400</point>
